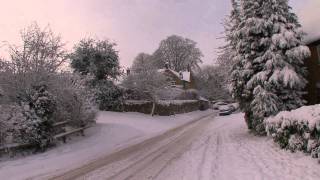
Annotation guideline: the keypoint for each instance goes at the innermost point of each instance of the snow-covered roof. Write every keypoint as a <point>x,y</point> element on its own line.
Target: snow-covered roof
<point>186,76</point>
<point>183,75</point>
<point>174,72</point>
<point>203,99</point>
<point>312,37</point>
<point>310,20</point>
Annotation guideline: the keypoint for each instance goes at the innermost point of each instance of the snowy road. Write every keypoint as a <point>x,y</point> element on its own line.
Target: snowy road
<point>211,148</point>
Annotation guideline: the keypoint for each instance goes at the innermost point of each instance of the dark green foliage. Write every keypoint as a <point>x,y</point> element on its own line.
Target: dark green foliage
<point>268,53</point>
<point>97,58</point>
<point>109,97</point>
<point>296,137</point>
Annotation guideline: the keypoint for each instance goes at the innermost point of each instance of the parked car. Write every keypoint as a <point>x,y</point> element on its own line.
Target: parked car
<point>217,104</point>
<point>232,108</point>
<point>214,106</point>
<point>225,110</point>
<point>221,103</point>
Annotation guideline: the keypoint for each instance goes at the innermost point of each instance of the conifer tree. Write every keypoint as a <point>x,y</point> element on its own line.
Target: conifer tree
<point>268,76</point>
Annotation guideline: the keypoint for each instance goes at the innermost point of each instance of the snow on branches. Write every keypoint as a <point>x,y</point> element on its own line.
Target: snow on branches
<point>268,54</point>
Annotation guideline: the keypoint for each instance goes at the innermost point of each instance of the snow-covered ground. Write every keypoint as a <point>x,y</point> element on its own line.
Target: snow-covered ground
<point>215,148</point>
<point>113,131</point>
<point>226,150</point>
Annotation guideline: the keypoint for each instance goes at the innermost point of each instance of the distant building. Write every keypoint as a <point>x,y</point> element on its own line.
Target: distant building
<point>313,66</point>
<point>182,79</point>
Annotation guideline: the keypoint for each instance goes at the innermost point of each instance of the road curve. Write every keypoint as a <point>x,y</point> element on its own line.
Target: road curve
<point>209,148</point>
<point>138,155</point>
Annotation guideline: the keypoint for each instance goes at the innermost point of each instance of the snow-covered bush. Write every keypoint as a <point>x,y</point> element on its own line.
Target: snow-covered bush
<point>109,96</point>
<point>132,94</point>
<point>190,94</point>
<point>75,101</point>
<point>297,130</point>
<point>173,93</point>
<point>11,118</point>
<point>38,106</point>
<point>169,93</point>
<point>35,93</point>
<point>31,120</point>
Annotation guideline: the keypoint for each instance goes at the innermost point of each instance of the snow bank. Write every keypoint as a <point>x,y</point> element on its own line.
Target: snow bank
<point>112,132</point>
<point>308,115</point>
<point>297,130</point>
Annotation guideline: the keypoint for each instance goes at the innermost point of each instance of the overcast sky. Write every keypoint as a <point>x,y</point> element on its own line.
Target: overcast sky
<point>135,25</point>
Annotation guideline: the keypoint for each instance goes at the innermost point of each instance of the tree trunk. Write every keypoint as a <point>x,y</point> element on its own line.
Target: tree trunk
<point>153,108</point>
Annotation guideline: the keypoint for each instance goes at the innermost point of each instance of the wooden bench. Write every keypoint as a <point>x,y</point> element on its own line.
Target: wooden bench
<point>59,127</point>
<point>59,124</point>
<point>64,135</point>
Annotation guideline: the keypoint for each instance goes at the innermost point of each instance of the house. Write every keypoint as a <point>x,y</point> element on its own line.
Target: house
<point>183,79</point>
<point>313,67</point>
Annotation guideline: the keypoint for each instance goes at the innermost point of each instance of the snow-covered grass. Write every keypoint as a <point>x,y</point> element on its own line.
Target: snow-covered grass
<point>297,130</point>
<point>112,132</point>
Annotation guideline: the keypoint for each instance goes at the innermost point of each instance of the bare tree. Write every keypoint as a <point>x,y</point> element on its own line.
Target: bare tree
<point>141,63</point>
<point>149,81</point>
<point>179,52</point>
<point>41,50</point>
<point>212,83</point>
<point>41,55</point>
<point>225,63</point>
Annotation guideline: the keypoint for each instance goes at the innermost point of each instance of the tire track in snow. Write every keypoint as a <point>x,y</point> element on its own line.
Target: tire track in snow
<point>220,148</point>
<point>204,157</point>
<point>156,158</point>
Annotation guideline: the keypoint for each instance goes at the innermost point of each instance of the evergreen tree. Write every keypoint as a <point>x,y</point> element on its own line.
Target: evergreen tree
<point>96,57</point>
<point>269,62</point>
<point>99,59</point>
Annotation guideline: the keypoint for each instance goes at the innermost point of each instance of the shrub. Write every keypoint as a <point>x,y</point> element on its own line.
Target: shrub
<point>75,101</point>
<point>109,96</point>
<point>10,120</point>
<point>190,94</point>
<point>65,97</point>
<point>132,94</point>
<point>38,106</point>
<point>35,94</point>
<point>297,130</point>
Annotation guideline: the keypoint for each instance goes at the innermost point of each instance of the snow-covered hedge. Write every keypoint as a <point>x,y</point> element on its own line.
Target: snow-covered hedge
<point>163,108</point>
<point>30,118</point>
<point>176,102</point>
<point>297,130</point>
<point>109,96</point>
<point>75,101</point>
<point>11,118</point>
